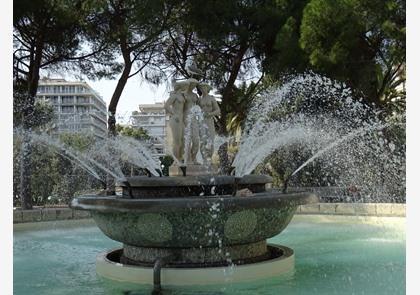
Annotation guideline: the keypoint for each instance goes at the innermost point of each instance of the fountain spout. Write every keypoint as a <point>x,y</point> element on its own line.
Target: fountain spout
<point>157,267</point>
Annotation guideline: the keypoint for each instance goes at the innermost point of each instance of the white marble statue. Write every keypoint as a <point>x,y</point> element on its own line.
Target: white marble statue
<point>174,106</point>
<point>192,129</point>
<point>210,108</point>
<point>191,99</point>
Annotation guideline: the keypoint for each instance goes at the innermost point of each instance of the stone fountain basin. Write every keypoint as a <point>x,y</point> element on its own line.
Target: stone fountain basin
<point>194,222</point>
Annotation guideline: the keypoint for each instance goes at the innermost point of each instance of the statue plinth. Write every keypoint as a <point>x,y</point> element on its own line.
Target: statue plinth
<point>192,170</point>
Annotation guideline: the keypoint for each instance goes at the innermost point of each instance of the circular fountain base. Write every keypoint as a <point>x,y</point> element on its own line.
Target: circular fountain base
<point>279,261</point>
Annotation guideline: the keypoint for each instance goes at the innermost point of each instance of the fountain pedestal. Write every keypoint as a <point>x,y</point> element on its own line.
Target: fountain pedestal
<point>197,256</point>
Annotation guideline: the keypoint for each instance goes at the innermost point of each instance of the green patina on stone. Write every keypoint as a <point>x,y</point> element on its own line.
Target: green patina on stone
<point>154,227</point>
<point>194,228</point>
<point>240,225</point>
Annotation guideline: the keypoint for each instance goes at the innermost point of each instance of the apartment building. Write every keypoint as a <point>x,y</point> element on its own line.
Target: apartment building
<point>153,119</point>
<point>77,106</point>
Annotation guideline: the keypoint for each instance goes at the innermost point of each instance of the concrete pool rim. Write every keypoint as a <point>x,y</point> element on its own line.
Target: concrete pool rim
<point>185,276</point>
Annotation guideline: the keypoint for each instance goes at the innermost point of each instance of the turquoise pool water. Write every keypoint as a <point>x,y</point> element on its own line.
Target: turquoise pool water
<point>334,255</point>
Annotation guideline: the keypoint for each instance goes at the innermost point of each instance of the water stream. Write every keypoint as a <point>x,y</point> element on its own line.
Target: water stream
<point>348,137</point>
<point>310,118</point>
<point>105,157</point>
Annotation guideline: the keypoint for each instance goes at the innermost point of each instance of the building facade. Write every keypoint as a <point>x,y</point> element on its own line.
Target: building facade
<point>77,106</point>
<point>153,119</point>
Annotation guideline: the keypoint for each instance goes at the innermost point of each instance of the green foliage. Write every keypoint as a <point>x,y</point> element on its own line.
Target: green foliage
<point>46,32</point>
<point>360,42</point>
<point>242,97</point>
<point>77,141</point>
<point>39,118</point>
<point>54,179</point>
<point>135,132</point>
<point>285,54</point>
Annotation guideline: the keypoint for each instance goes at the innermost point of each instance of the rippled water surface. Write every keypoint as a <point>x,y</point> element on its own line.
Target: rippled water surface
<point>334,255</point>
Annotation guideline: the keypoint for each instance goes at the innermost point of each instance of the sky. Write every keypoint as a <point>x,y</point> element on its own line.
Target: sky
<point>135,92</point>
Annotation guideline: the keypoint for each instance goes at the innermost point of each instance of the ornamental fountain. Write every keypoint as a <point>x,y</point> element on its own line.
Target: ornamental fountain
<point>198,227</point>
<point>195,226</point>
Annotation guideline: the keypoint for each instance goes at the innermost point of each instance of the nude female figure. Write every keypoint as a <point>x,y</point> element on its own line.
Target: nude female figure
<point>210,108</point>
<point>174,106</point>
<point>191,99</point>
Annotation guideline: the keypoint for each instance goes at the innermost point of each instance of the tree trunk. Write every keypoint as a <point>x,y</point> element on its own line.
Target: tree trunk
<point>112,108</point>
<point>28,113</point>
<point>225,165</point>
<point>25,173</point>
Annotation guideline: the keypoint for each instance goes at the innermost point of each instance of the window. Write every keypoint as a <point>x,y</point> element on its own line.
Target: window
<point>82,109</point>
<point>94,109</point>
<point>82,99</point>
<point>67,99</point>
<point>67,109</point>
<point>53,99</point>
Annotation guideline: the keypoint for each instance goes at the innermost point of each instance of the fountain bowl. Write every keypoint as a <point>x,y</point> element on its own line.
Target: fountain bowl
<point>194,226</point>
<point>193,221</point>
<point>200,230</point>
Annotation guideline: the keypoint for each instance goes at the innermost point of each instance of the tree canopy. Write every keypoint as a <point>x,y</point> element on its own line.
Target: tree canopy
<point>360,42</point>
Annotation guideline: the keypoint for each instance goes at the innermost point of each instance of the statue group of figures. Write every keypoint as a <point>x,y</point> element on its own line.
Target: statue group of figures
<point>201,131</point>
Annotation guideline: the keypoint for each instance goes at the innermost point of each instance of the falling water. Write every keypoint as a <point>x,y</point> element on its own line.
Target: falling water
<point>273,136</point>
<point>105,157</point>
<point>79,158</point>
<point>136,153</point>
<point>313,116</point>
<point>219,141</point>
<point>168,150</point>
<point>337,142</point>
